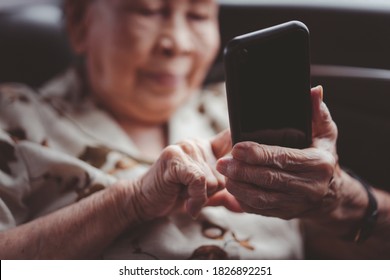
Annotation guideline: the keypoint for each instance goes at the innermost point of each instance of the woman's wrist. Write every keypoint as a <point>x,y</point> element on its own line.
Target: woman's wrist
<point>366,225</point>
<point>347,208</point>
<point>126,203</point>
<point>354,204</point>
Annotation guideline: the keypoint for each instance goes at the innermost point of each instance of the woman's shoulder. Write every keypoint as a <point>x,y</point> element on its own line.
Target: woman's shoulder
<point>33,111</point>
<point>67,86</point>
<point>16,92</point>
<point>62,86</point>
<point>17,101</point>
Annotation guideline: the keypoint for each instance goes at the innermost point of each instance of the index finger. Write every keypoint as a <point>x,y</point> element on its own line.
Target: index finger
<point>221,144</point>
<point>278,157</point>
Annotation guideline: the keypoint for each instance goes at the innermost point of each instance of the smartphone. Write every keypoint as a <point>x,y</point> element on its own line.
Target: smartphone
<point>268,86</point>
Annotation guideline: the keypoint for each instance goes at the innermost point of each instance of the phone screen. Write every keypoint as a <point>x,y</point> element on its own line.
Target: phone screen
<point>273,91</point>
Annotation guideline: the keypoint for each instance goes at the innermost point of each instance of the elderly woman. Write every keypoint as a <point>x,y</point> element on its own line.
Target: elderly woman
<point>96,163</point>
<point>89,167</point>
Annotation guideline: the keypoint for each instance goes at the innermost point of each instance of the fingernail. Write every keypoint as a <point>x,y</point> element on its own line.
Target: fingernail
<point>239,152</point>
<point>222,165</point>
<point>194,214</point>
<point>321,91</point>
<point>193,209</point>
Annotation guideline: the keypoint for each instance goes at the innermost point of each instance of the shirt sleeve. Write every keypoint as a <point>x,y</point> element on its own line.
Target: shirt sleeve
<point>13,183</point>
<point>35,179</point>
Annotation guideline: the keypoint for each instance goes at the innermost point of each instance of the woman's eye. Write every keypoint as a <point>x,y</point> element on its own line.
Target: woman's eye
<point>148,12</point>
<point>198,16</point>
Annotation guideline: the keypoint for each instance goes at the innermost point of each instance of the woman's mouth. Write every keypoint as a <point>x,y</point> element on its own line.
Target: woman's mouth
<point>165,80</point>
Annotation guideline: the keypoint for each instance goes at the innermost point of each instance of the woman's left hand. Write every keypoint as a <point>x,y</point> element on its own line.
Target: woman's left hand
<point>284,182</point>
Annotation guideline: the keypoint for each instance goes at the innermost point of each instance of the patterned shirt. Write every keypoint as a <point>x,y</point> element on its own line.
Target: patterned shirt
<point>58,147</point>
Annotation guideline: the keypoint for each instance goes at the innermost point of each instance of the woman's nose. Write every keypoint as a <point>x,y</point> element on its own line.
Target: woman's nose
<point>175,37</point>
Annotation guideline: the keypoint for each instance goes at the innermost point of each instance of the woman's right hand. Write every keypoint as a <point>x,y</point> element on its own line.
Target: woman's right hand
<point>184,173</point>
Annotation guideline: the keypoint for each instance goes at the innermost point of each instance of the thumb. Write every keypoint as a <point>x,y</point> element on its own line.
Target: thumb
<point>323,126</point>
<point>316,100</point>
<point>224,198</point>
<point>221,144</point>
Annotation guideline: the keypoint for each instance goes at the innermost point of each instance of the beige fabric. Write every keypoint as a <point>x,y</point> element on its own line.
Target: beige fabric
<point>57,147</point>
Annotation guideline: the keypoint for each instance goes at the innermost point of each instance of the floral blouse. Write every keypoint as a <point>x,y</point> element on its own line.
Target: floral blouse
<point>57,147</point>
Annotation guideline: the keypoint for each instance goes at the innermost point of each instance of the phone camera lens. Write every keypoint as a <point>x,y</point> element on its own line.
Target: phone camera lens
<point>243,54</point>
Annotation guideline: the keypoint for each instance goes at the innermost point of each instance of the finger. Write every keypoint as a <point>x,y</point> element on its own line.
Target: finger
<point>254,196</point>
<point>221,144</point>
<point>214,182</point>
<point>316,100</point>
<point>182,170</point>
<point>323,126</point>
<point>195,151</point>
<point>258,201</point>
<point>220,179</point>
<point>311,181</point>
<point>224,198</point>
<point>201,152</point>
<point>196,190</point>
<point>258,154</point>
<point>251,174</point>
<point>287,159</point>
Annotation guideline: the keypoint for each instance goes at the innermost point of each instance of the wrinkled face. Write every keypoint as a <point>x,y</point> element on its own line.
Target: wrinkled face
<point>144,58</point>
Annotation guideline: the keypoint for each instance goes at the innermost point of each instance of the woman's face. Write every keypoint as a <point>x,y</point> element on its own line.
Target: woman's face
<point>145,57</point>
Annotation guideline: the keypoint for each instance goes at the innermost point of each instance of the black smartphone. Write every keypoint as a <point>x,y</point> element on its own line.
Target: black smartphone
<point>268,86</point>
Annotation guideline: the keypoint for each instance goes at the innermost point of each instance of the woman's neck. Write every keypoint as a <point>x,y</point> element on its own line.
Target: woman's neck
<point>150,139</point>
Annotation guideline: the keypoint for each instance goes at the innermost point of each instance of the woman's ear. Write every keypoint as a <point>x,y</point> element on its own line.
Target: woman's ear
<point>77,26</point>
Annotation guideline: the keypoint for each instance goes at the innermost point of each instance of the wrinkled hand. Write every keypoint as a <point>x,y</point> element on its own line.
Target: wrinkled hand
<point>284,182</point>
<point>184,173</point>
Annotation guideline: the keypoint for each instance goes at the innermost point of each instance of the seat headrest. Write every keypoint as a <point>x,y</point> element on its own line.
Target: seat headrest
<point>33,44</point>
